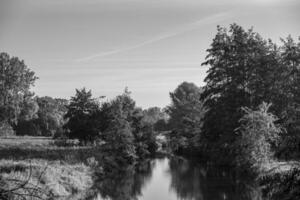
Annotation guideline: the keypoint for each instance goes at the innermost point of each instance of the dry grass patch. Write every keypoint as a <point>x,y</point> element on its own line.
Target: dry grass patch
<point>55,178</point>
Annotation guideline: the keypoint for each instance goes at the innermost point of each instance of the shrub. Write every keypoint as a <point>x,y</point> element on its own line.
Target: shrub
<point>258,134</point>
<point>6,129</point>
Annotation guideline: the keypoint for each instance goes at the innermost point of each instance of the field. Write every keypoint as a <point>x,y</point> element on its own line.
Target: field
<point>46,166</point>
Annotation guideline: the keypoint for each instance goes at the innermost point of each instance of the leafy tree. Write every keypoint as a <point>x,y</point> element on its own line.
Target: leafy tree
<point>118,137</point>
<point>289,87</point>
<point>81,115</point>
<point>28,109</point>
<point>15,82</point>
<point>186,112</point>
<point>48,119</point>
<point>144,135</point>
<point>153,114</point>
<point>243,71</point>
<point>258,134</point>
<point>51,115</point>
<point>124,130</point>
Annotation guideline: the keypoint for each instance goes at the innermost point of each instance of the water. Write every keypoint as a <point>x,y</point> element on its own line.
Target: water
<point>175,179</point>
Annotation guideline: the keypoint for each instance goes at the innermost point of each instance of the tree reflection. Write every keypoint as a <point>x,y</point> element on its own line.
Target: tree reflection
<point>124,182</point>
<point>194,181</point>
<point>188,181</point>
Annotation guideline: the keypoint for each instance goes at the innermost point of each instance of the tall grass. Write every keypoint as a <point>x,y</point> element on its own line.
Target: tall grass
<point>58,171</point>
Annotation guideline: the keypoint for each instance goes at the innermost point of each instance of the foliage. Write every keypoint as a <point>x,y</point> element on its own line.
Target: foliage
<point>156,117</point>
<point>15,82</point>
<point>186,112</point>
<point>290,103</point>
<point>48,119</point>
<point>81,115</point>
<point>144,135</point>
<point>6,129</point>
<point>245,70</point>
<point>119,141</point>
<point>259,134</point>
<point>241,72</point>
<point>116,128</point>
<point>124,130</point>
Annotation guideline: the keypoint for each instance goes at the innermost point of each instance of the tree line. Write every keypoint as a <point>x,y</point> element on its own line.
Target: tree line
<point>117,125</point>
<point>248,108</point>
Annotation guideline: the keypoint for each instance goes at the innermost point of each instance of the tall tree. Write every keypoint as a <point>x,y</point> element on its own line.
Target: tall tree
<point>15,82</point>
<point>243,70</point>
<point>81,116</point>
<point>118,136</point>
<point>186,112</point>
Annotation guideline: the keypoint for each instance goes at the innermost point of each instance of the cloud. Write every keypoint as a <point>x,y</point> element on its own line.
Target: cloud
<point>184,29</point>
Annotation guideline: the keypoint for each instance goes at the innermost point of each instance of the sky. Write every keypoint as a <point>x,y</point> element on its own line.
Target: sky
<point>149,46</point>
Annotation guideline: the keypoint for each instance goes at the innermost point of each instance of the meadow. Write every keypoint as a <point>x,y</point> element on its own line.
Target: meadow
<point>45,167</point>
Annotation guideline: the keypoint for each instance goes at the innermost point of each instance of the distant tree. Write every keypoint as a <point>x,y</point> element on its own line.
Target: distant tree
<point>144,135</point>
<point>28,108</point>
<point>186,112</point>
<point>15,82</point>
<point>51,115</point>
<point>108,109</point>
<point>118,136</point>
<point>48,119</point>
<point>81,115</point>
<point>156,117</point>
<point>122,124</point>
<point>28,114</point>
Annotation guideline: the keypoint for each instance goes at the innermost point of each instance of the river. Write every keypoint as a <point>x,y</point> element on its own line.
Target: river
<point>176,179</point>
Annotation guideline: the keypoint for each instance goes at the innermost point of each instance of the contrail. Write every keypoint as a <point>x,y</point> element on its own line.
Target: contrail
<point>183,29</point>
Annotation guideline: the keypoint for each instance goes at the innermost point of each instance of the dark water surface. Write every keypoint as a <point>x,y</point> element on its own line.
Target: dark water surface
<point>175,179</point>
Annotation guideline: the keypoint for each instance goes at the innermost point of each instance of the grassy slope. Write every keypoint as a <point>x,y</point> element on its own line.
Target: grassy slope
<point>62,171</point>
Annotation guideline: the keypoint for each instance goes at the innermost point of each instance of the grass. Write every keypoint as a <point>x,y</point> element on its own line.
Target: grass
<point>59,171</point>
<point>54,178</point>
<point>280,180</point>
<point>25,142</point>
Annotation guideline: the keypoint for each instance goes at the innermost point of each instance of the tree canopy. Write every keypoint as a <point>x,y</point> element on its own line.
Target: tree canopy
<point>15,82</point>
<point>81,115</point>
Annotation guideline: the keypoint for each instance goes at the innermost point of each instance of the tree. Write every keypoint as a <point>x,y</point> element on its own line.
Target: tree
<point>124,131</point>
<point>15,82</point>
<point>186,112</point>
<point>289,102</point>
<point>118,136</point>
<point>258,134</point>
<point>144,134</point>
<point>244,69</point>
<point>81,115</point>
<point>48,118</point>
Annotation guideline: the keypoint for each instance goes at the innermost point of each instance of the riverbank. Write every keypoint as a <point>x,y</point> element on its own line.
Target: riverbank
<point>45,178</point>
<point>47,170</point>
<point>280,180</point>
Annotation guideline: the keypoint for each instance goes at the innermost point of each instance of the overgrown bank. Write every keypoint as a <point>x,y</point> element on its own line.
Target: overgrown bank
<point>247,113</point>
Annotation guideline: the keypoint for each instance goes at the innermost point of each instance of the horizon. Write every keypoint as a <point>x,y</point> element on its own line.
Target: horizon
<point>149,47</point>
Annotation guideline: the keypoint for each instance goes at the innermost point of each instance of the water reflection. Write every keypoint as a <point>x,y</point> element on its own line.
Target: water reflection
<point>124,182</point>
<point>195,181</point>
<point>172,179</point>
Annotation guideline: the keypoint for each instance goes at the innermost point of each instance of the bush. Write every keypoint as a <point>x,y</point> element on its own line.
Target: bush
<point>258,134</point>
<point>6,129</point>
